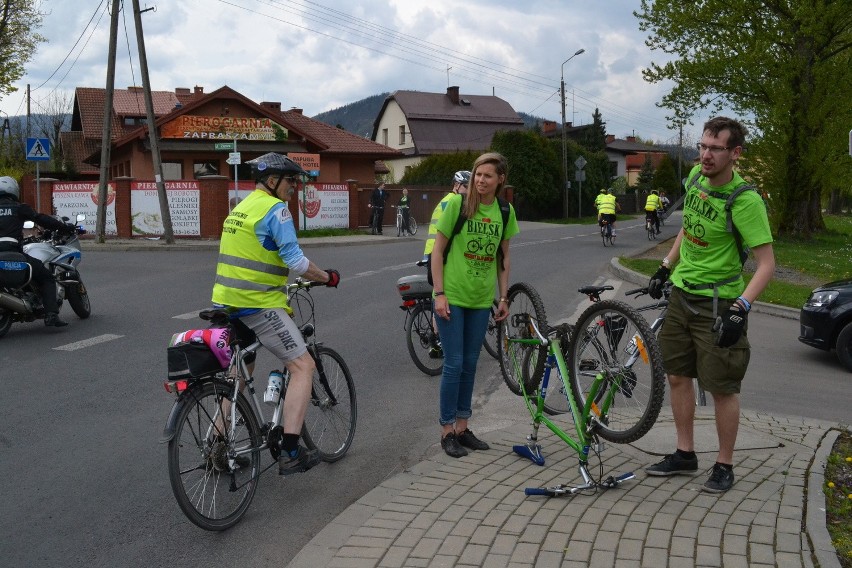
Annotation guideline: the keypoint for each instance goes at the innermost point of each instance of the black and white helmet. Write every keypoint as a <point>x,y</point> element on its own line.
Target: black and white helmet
<point>273,164</point>
<point>462,177</point>
<point>10,186</point>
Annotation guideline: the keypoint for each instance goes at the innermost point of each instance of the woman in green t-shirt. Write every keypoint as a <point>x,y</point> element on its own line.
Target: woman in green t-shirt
<point>464,291</point>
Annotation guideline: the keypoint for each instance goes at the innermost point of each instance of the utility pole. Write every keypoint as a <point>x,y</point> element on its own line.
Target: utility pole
<point>106,137</point>
<point>28,110</point>
<point>152,127</point>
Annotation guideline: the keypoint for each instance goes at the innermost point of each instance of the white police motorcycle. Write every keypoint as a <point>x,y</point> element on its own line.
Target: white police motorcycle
<point>20,300</point>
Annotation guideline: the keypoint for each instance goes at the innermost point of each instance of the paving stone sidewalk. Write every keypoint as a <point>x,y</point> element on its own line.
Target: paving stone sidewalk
<point>473,511</point>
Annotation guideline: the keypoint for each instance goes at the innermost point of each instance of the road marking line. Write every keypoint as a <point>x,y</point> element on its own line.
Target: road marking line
<point>87,342</point>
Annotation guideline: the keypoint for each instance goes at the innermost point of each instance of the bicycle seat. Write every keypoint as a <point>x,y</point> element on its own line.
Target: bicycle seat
<point>594,290</point>
<point>216,316</point>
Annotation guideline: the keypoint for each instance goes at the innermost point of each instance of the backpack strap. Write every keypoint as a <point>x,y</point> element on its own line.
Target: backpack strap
<point>729,218</point>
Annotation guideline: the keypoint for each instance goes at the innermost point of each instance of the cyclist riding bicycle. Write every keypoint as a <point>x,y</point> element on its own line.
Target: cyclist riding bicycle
<point>606,209</point>
<point>460,181</point>
<point>258,252</point>
<point>652,205</point>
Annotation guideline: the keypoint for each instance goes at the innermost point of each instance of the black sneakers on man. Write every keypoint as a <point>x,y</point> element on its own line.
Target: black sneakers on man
<point>721,479</point>
<point>468,440</point>
<point>450,445</point>
<point>674,464</point>
<point>304,460</point>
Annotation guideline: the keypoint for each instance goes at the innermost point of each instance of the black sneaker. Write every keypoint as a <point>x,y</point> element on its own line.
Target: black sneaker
<point>721,479</point>
<point>468,440</point>
<point>52,320</point>
<point>304,460</point>
<point>673,464</point>
<point>451,446</point>
<point>436,352</point>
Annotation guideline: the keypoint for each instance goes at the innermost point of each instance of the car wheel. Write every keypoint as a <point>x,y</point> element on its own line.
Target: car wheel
<point>844,346</point>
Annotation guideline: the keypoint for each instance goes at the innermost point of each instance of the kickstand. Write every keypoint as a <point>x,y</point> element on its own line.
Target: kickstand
<point>531,451</point>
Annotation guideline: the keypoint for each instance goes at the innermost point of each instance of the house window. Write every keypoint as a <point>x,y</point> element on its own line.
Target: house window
<point>402,135</point>
<point>385,136</point>
<point>201,168</point>
<point>172,170</point>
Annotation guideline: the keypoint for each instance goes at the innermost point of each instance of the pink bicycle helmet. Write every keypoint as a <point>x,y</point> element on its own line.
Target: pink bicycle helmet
<point>217,339</point>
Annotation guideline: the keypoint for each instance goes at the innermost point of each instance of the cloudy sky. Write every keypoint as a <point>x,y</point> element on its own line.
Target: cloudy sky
<point>322,55</point>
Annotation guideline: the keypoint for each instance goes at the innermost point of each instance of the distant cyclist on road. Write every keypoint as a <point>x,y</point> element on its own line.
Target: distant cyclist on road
<point>601,194</point>
<point>652,205</point>
<point>607,208</point>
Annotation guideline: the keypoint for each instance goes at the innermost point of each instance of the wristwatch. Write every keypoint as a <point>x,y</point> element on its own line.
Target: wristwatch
<point>438,294</point>
<point>666,262</point>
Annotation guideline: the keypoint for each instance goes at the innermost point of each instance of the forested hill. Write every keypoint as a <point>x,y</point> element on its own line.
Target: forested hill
<point>358,117</point>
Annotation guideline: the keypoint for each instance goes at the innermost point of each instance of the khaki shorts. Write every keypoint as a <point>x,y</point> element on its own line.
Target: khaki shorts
<point>686,340</point>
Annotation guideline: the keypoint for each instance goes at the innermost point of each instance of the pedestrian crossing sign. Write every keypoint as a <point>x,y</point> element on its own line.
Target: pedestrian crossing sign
<point>38,149</point>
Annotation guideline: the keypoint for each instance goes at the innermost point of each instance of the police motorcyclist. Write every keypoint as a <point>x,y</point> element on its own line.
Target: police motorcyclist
<point>13,213</point>
<point>257,254</point>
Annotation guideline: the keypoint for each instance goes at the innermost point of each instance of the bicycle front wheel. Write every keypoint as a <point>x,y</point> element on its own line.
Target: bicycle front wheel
<point>492,334</point>
<point>332,412</point>
<point>213,486</point>
<point>423,344</point>
<point>613,340</point>
<point>525,309</point>
<point>412,225</point>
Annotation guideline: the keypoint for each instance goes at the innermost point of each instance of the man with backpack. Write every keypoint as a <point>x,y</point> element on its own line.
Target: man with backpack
<point>705,331</point>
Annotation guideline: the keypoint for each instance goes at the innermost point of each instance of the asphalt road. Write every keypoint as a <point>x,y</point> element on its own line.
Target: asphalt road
<point>83,407</point>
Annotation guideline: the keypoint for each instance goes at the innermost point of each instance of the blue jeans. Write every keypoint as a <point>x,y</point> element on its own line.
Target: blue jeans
<point>461,340</point>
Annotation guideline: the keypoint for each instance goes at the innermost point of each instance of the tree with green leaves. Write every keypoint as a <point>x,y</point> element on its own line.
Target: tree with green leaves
<point>18,39</point>
<point>595,138</point>
<point>645,182</point>
<point>438,169</point>
<point>785,67</point>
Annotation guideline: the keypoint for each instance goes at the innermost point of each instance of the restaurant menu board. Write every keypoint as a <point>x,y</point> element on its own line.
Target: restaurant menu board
<point>72,198</point>
<point>324,205</point>
<point>184,208</point>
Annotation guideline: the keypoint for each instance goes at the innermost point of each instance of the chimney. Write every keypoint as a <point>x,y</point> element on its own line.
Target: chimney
<point>548,126</point>
<point>610,138</point>
<point>631,139</point>
<point>276,106</point>
<point>181,91</point>
<point>199,90</point>
<point>569,125</point>
<point>296,110</point>
<point>453,93</point>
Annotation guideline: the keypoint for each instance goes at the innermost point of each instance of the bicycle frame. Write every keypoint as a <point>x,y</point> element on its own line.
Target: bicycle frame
<point>582,417</point>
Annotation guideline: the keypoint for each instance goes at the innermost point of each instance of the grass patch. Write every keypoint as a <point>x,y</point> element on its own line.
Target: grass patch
<point>309,233</point>
<point>827,257</point>
<point>838,497</point>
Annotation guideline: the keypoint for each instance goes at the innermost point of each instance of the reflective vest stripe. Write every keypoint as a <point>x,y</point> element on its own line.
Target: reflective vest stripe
<point>253,265</point>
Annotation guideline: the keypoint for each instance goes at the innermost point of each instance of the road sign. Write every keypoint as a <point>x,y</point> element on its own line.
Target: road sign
<point>234,158</point>
<point>579,175</point>
<point>224,146</point>
<point>38,149</point>
<point>580,163</point>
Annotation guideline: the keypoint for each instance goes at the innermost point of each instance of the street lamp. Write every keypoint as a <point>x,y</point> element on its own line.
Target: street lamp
<point>564,138</point>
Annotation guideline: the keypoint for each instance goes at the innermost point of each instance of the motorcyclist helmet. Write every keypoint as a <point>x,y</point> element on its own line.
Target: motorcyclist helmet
<point>10,186</point>
<point>272,164</point>
<point>655,191</point>
<point>462,177</point>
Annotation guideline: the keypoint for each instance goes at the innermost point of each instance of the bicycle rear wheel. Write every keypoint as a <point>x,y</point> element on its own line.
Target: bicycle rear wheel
<point>423,344</point>
<point>412,225</point>
<point>492,334</point>
<point>211,487</point>
<point>332,412</point>
<point>525,307</point>
<point>614,340</point>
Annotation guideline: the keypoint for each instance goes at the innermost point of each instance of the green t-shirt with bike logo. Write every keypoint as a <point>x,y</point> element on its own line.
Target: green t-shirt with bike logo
<point>470,274</point>
<point>708,252</point>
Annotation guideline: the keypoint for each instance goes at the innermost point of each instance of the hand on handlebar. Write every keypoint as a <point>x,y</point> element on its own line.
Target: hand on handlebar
<point>333,278</point>
<point>655,285</point>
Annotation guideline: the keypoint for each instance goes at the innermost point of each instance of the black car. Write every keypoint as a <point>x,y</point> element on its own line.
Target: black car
<point>826,320</point>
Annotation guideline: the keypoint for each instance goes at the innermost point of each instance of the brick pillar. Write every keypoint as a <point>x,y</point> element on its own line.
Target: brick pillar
<point>213,205</point>
<point>43,202</point>
<point>354,204</point>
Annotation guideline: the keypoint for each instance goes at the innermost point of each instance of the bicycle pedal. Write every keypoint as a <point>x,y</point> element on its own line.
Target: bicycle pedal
<point>530,451</point>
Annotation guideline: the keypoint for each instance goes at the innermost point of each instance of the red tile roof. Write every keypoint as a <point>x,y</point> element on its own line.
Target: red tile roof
<point>335,140</point>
